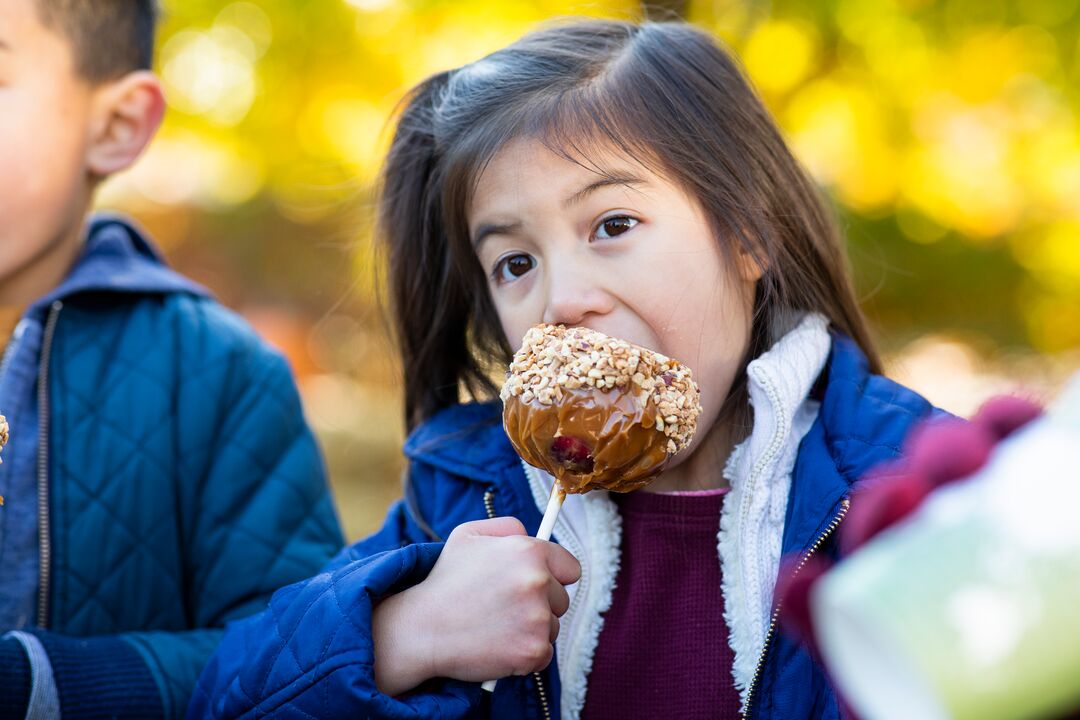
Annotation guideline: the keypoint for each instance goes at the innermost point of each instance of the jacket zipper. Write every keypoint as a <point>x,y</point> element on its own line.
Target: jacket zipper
<point>489,506</point>
<point>44,547</point>
<point>845,505</point>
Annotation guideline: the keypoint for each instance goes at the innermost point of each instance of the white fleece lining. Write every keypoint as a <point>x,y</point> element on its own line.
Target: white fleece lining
<point>759,471</point>
<point>605,544</point>
<point>590,526</point>
<point>751,521</point>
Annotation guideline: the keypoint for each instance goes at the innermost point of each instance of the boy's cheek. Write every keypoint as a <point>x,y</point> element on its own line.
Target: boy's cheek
<point>31,211</point>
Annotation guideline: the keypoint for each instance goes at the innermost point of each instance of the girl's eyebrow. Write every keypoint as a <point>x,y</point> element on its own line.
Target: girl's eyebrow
<point>483,231</point>
<point>628,180</point>
<point>486,229</point>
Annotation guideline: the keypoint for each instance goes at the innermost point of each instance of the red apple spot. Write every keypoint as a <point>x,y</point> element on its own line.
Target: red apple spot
<point>573,454</point>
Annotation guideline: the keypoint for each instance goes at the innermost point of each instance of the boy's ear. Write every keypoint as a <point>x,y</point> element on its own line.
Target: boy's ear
<point>127,114</point>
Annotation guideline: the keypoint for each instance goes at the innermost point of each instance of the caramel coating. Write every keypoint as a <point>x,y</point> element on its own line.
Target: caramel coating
<point>597,412</point>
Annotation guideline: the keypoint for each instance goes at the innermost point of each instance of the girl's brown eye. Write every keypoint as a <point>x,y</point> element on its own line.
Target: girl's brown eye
<point>519,265</point>
<point>614,226</point>
<point>512,267</point>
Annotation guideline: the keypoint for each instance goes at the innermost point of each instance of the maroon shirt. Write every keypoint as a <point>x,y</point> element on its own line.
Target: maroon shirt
<point>663,650</point>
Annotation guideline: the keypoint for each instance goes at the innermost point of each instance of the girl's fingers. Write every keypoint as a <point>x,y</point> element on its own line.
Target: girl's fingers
<point>562,564</point>
<point>554,629</point>
<point>494,527</point>
<point>558,598</point>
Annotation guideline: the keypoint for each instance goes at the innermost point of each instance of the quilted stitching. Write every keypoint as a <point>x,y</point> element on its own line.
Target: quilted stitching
<point>185,486</point>
<point>310,653</point>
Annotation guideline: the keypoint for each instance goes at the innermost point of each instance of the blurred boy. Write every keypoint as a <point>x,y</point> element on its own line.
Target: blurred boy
<point>160,479</point>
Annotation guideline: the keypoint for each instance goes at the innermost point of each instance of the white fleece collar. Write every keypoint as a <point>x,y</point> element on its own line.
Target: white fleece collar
<point>759,471</point>
<point>751,522</point>
<point>590,527</point>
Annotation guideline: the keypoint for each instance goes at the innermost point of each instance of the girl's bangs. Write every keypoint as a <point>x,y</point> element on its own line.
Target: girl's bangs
<point>585,125</point>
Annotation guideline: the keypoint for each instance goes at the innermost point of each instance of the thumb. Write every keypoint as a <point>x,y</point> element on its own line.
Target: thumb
<point>495,527</point>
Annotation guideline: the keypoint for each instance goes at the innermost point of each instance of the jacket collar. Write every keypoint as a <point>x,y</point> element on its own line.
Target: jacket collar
<point>862,421</point>
<point>118,258</point>
<point>466,440</point>
<point>866,417</point>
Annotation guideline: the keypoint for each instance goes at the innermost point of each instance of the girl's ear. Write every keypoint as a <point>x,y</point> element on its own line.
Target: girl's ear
<point>751,268</point>
<point>126,115</point>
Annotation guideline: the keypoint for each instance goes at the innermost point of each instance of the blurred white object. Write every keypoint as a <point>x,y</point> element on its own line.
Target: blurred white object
<point>970,608</point>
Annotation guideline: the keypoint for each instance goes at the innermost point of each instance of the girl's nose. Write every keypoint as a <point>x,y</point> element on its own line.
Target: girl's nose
<point>574,297</point>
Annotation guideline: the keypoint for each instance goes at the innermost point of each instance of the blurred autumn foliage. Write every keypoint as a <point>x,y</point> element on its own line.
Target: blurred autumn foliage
<point>946,131</point>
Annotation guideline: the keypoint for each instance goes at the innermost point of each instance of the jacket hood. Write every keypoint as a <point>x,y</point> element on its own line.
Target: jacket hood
<point>859,412</point>
<point>118,258</point>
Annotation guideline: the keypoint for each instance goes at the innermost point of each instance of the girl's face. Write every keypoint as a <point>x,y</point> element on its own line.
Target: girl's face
<point>625,252</point>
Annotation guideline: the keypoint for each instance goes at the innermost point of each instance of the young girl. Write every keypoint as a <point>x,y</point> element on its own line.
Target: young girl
<point>625,178</point>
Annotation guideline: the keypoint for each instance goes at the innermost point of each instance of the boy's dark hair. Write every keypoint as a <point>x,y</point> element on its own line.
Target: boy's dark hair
<point>665,94</point>
<point>109,38</point>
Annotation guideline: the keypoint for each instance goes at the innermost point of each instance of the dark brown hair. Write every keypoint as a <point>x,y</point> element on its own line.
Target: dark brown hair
<point>664,94</point>
<point>109,38</point>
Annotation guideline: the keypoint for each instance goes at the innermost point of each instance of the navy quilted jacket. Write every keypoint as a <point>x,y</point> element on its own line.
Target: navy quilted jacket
<point>183,484</point>
<point>309,655</point>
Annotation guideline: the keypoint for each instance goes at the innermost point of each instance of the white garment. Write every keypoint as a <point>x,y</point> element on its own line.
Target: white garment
<point>751,522</point>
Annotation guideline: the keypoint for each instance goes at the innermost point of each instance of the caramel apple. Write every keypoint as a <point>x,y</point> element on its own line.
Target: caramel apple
<point>595,411</point>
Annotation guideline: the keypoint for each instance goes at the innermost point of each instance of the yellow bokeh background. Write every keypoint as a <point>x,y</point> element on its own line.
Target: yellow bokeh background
<point>946,131</point>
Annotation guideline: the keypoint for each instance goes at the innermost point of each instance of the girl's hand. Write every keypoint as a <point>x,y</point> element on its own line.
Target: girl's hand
<point>490,608</point>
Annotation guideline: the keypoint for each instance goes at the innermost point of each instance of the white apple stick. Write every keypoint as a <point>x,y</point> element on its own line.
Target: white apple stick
<point>551,514</point>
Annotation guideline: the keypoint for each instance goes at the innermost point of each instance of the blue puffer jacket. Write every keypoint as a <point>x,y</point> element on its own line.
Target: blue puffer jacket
<point>310,654</point>
<point>183,486</point>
